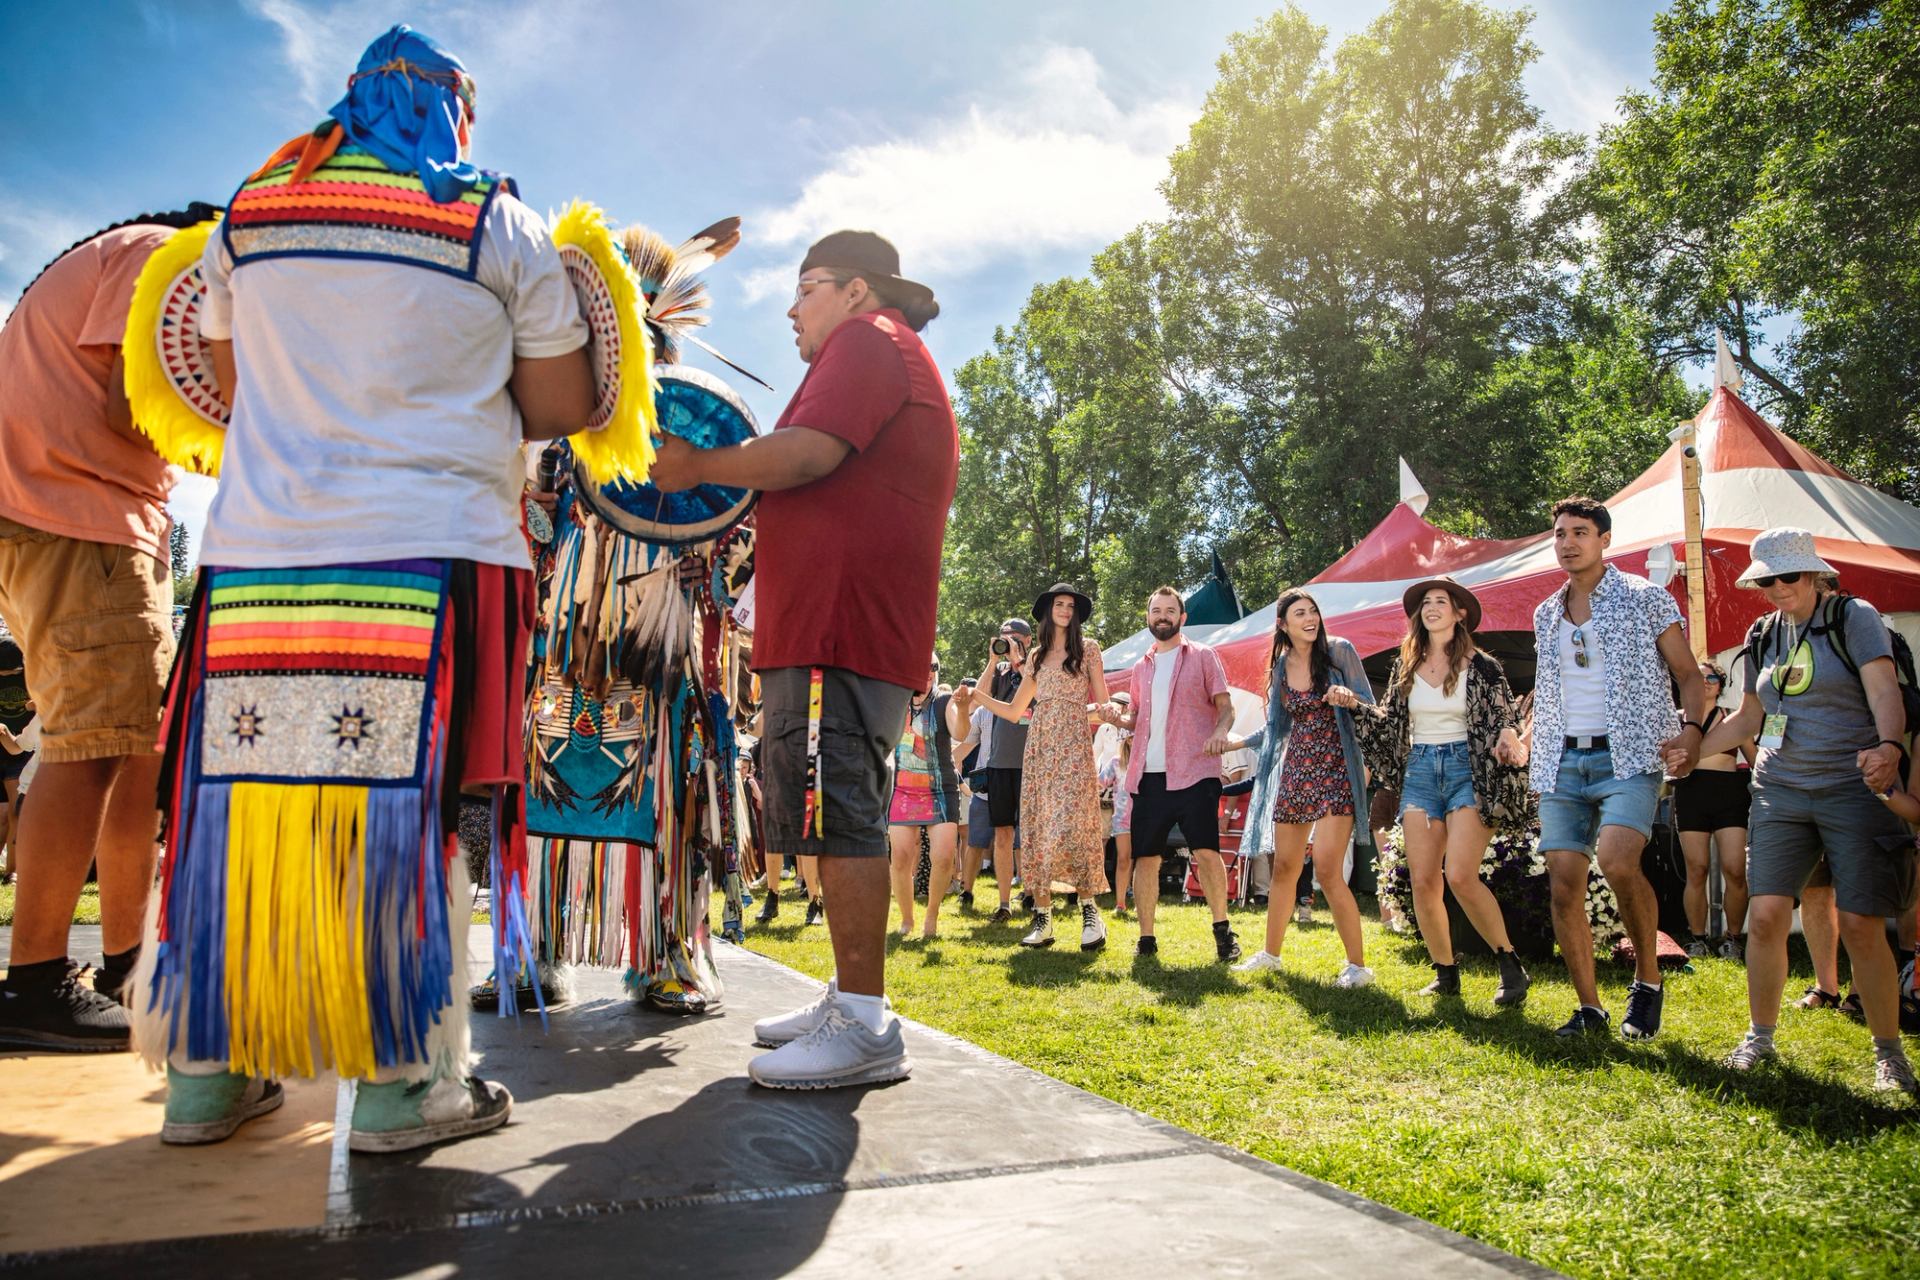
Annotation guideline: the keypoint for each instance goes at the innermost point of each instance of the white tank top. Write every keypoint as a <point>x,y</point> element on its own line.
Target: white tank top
<point>1437,718</point>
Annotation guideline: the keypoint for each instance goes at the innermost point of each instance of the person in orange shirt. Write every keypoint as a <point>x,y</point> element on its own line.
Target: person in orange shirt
<point>84,584</point>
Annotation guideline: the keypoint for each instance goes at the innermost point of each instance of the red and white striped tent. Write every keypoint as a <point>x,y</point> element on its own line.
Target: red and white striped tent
<point>1753,478</point>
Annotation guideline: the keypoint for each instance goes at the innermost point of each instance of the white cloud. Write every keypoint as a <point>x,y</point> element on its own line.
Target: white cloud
<point>1576,84</point>
<point>321,42</point>
<point>1052,163</point>
<point>30,236</point>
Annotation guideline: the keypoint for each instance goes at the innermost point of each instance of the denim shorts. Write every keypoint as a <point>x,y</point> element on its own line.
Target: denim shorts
<point>1439,779</point>
<point>1586,796</point>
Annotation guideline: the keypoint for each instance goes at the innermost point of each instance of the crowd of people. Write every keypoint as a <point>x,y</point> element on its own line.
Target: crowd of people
<point>344,679</point>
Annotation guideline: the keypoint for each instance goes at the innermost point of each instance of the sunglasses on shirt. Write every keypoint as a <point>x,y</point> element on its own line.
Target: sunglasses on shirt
<point>1786,578</point>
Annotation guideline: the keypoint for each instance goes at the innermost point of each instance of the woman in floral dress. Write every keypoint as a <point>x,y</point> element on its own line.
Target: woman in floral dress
<point>1063,841</point>
<point>1309,779</point>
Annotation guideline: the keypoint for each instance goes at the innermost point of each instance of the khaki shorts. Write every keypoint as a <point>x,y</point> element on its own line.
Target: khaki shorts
<point>95,622</point>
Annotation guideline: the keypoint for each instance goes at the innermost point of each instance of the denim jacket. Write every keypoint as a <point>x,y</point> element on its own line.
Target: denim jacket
<point>1271,742</point>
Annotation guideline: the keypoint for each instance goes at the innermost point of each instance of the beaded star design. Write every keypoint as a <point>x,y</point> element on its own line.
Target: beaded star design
<point>247,722</point>
<point>352,726</point>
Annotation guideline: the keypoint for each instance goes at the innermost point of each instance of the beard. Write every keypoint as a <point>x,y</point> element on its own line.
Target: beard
<point>1163,630</point>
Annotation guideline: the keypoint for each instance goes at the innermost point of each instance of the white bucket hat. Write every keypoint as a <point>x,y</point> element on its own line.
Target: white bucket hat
<point>1785,550</point>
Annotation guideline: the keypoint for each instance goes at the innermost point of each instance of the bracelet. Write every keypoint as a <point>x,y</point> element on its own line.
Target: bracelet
<point>1693,724</point>
<point>1889,742</point>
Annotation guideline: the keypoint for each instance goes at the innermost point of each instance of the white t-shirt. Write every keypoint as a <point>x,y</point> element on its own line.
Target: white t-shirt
<point>1437,718</point>
<point>1163,665</point>
<point>1583,690</point>
<point>373,420</point>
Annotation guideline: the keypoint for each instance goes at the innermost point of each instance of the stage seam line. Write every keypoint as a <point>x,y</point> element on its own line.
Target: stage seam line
<point>339,1193</point>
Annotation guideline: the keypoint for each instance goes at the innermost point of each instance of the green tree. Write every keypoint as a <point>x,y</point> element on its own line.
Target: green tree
<point>1769,175</point>
<point>1370,237</point>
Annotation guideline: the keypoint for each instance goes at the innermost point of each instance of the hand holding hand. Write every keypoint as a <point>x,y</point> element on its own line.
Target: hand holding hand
<point>1680,753</point>
<point>1880,766</point>
<point>1340,696</point>
<point>1218,745</point>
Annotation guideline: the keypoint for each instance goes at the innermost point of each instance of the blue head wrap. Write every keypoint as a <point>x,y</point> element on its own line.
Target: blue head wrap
<point>403,105</point>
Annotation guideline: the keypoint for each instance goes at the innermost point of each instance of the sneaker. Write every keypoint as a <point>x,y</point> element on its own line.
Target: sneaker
<point>1643,1011</point>
<point>1354,975</point>
<point>1147,946</point>
<point>400,1116</point>
<point>62,1017</point>
<point>1817,999</point>
<point>1093,929</point>
<point>1733,947</point>
<point>1586,1021</point>
<point>1303,912</point>
<point>1697,948</point>
<point>816,911</point>
<point>1041,935</point>
<point>1226,947</point>
<point>1259,962</point>
<point>1750,1053</point>
<point>787,1027</point>
<point>1514,981</point>
<point>966,899</point>
<point>1001,915</point>
<point>758,883</point>
<point>768,909</point>
<point>840,1051</point>
<point>1894,1075</point>
<point>1446,981</point>
<point>209,1108</point>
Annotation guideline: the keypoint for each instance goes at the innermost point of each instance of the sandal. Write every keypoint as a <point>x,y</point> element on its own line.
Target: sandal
<point>1852,1007</point>
<point>1817,999</point>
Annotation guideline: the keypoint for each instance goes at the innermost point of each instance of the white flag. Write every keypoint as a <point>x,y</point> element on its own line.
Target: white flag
<point>1726,370</point>
<point>1412,492</point>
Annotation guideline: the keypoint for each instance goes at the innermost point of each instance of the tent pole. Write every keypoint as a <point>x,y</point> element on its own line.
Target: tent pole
<point>1696,541</point>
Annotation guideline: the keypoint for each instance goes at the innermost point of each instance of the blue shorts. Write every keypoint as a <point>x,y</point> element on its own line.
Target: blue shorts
<point>1439,780</point>
<point>980,824</point>
<point>1586,796</point>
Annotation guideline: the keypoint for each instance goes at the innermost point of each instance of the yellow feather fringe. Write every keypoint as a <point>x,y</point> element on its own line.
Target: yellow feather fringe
<point>623,448</point>
<point>179,433</point>
<point>295,970</point>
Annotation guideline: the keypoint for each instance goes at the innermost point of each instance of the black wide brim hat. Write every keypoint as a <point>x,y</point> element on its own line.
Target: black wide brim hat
<point>1082,602</point>
<point>1462,597</point>
<point>873,256</point>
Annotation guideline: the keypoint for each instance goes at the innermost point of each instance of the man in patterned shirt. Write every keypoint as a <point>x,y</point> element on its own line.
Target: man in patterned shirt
<point>1603,718</point>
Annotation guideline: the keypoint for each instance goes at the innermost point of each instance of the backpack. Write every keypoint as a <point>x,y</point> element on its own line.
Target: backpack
<point>1829,620</point>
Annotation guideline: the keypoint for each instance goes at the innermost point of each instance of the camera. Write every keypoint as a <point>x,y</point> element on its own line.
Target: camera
<point>1001,646</point>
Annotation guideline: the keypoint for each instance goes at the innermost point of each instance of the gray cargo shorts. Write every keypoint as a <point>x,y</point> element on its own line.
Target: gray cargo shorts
<point>861,721</point>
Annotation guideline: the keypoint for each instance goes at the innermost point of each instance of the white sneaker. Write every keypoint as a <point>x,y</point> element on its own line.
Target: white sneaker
<point>1041,935</point>
<point>774,1032</point>
<point>1258,962</point>
<point>839,1051</point>
<point>757,884</point>
<point>1354,975</point>
<point>1093,930</point>
<point>1303,913</point>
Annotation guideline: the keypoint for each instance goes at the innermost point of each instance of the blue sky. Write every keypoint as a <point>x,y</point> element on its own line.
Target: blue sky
<point>999,144</point>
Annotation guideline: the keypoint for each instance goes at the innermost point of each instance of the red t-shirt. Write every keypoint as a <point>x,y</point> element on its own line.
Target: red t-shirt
<point>847,569</point>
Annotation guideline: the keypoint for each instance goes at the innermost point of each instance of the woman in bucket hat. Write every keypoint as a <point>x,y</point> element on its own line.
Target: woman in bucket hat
<point>1822,695</point>
<point>1059,789</point>
<point>1447,737</point>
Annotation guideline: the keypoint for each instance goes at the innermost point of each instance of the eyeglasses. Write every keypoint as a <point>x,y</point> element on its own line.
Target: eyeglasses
<point>801,289</point>
<point>1710,679</point>
<point>1580,646</point>
<point>1787,579</point>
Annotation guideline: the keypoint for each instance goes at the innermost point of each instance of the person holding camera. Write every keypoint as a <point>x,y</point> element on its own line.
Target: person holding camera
<point>1006,753</point>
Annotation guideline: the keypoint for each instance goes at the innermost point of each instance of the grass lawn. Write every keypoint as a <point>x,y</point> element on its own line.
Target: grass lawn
<point>86,912</point>
<point>1599,1159</point>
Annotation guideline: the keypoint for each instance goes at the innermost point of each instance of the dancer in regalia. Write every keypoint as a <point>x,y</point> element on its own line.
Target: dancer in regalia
<point>633,801</point>
<point>393,321</point>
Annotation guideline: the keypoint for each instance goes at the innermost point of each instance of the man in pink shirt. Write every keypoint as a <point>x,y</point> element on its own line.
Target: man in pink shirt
<point>1180,717</point>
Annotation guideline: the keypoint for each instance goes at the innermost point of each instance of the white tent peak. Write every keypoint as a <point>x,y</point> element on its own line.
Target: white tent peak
<point>1412,492</point>
<point>1726,370</point>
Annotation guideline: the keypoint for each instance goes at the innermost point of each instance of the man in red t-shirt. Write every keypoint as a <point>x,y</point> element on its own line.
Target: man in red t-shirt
<point>856,480</point>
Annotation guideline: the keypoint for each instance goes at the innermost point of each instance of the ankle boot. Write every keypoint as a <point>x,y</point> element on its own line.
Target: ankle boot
<point>1446,981</point>
<point>1513,979</point>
